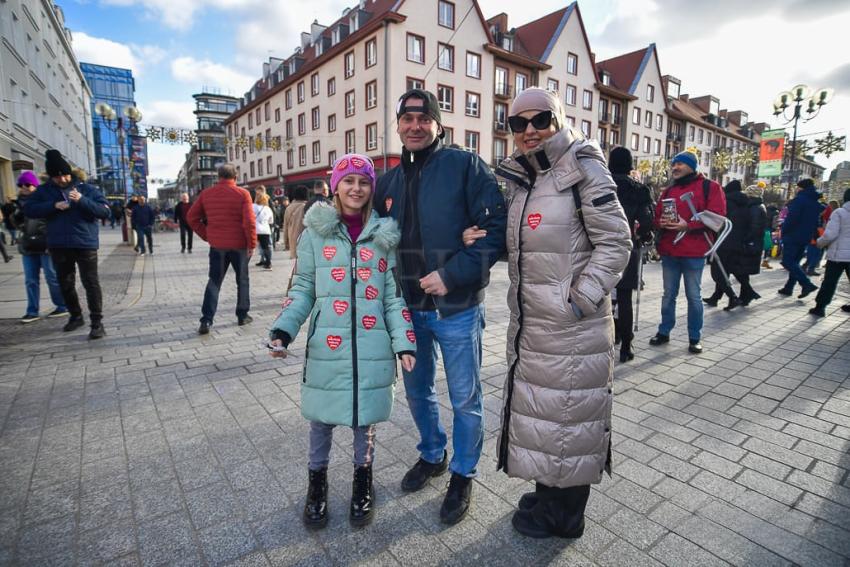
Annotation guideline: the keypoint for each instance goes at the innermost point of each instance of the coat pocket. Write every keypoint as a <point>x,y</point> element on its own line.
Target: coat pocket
<point>310,333</point>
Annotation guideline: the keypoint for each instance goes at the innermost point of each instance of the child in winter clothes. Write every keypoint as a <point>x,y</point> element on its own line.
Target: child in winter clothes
<point>345,284</point>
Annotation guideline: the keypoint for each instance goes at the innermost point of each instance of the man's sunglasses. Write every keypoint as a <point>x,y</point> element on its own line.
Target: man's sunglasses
<point>540,121</point>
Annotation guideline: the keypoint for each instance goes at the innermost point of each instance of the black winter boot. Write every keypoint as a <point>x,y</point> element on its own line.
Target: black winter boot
<point>558,512</point>
<point>362,497</point>
<point>316,506</point>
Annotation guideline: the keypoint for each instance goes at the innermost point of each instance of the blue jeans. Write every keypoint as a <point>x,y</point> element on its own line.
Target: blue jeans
<point>792,253</point>
<point>674,269</point>
<point>459,339</point>
<point>813,257</point>
<point>219,261</point>
<point>32,265</point>
<point>143,233</point>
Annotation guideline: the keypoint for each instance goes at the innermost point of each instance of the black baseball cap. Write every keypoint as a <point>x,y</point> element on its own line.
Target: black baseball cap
<point>429,106</point>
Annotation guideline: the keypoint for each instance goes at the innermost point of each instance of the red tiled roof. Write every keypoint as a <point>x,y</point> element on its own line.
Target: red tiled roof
<point>535,36</point>
<point>623,68</point>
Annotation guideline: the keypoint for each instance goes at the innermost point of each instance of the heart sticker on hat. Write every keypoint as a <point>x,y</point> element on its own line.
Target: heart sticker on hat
<point>534,220</point>
<point>329,252</point>
<point>343,163</point>
<point>338,274</point>
<point>369,321</point>
<point>334,341</point>
<point>371,292</point>
<point>340,306</point>
<point>357,162</point>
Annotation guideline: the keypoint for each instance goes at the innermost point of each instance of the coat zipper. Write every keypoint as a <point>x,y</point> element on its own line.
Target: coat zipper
<point>355,385</point>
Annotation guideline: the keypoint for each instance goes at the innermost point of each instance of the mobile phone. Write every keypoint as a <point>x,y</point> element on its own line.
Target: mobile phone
<point>274,348</point>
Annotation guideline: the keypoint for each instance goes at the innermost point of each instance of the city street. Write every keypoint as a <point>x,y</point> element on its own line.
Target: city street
<point>156,446</point>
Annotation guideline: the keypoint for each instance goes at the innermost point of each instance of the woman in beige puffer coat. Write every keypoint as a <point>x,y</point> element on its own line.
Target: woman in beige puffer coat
<point>563,262</point>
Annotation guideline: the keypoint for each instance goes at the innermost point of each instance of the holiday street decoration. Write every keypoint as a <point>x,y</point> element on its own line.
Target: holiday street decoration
<point>830,144</point>
<point>660,172</point>
<point>644,167</point>
<point>722,159</point>
<point>745,157</point>
<point>170,135</point>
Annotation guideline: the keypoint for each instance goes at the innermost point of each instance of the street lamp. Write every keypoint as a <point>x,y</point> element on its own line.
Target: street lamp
<point>797,98</point>
<point>109,115</point>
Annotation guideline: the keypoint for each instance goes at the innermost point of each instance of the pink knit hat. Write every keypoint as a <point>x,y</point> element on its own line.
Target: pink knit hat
<point>28,178</point>
<point>352,163</point>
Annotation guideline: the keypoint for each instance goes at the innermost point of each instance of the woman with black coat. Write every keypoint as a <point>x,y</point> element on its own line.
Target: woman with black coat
<point>636,200</point>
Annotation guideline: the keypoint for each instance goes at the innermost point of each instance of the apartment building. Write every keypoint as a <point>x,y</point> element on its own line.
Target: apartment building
<point>211,109</point>
<point>44,98</point>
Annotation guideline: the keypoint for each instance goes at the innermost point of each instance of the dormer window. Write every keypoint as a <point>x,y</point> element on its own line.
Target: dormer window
<point>318,47</point>
<point>744,119</point>
<point>507,43</point>
<point>606,78</point>
<point>353,23</point>
<point>714,107</point>
<point>291,66</point>
<point>335,35</point>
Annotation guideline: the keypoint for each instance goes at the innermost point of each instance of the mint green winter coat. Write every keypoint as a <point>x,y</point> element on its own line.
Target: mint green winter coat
<point>358,319</point>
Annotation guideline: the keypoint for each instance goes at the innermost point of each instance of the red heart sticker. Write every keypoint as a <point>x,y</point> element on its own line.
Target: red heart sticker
<point>338,274</point>
<point>371,292</point>
<point>287,301</point>
<point>329,252</point>
<point>357,162</point>
<point>340,306</point>
<point>369,321</point>
<point>382,265</point>
<point>388,203</point>
<point>366,254</point>
<point>334,341</point>
<point>343,163</point>
<point>406,314</point>
<point>411,336</point>
<point>364,273</point>
<point>534,220</point>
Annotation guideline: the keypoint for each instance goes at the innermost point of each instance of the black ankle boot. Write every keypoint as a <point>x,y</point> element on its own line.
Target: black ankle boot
<point>316,506</point>
<point>362,497</point>
<point>626,352</point>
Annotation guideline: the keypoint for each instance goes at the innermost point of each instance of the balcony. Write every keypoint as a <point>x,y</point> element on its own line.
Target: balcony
<point>616,120</point>
<point>674,137</point>
<point>500,127</point>
<point>503,91</point>
<point>604,118</point>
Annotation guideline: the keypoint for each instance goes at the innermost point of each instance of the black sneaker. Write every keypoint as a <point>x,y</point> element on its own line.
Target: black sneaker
<point>785,291</point>
<point>246,320</point>
<point>694,347</point>
<point>456,504</point>
<point>419,474</point>
<point>58,313</point>
<point>710,301</point>
<point>204,329</point>
<point>73,323</point>
<point>817,311</point>
<point>807,291</point>
<point>846,308</point>
<point>659,339</point>
<point>97,332</point>
<point>29,318</point>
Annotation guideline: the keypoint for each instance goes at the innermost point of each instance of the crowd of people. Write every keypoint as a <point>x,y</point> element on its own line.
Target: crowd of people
<point>389,271</point>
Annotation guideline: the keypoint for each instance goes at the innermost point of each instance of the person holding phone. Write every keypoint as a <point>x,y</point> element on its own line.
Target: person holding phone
<point>345,284</point>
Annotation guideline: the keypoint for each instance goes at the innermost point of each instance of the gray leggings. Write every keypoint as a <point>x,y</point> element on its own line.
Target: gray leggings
<point>321,436</point>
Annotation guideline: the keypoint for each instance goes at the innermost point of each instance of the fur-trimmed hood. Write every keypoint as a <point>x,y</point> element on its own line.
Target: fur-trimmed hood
<point>324,219</point>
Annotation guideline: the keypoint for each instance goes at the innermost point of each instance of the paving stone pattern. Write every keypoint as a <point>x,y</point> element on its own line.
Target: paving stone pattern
<point>155,446</point>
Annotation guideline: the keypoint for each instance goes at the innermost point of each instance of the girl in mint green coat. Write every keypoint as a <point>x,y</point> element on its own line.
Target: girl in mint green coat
<point>358,324</point>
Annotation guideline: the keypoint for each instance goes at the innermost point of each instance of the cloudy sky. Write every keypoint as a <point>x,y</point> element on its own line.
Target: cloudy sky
<point>742,53</point>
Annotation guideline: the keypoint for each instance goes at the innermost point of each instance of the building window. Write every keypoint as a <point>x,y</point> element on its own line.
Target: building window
<point>615,112</point>
<point>250,120</point>
<point>269,165</point>
<point>314,84</point>
<point>571,95</point>
<point>416,48</point>
<point>332,123</point>
<point>606,78</point>
<point>701,135</point>
<point>349,142</point>
<point>636,115</point>
<point>602,136</point>
<point>446,57</point>
<point>500,116</point>
<point>332,86</point>
<point>691,133</point>
<point>317,152</point>
<point>260,167</point>
<point>502,82</point>
<point>571,121</point>
<point>585,128</point>
<point>349,103</point>
<point>302,156</point>
<point>500,150</point>
<point>287,97</point>
<point>603,109</point>
<point>587,100</point>
<point>615,137</point>
<point>331,158</point>
<point>472,104</point>
<point>353,22</point>
<point>659,122</point>
<point>349,64</point>
<point>315,118</point>
<point>552,85</point>
<point>371,94</point>
<point>521,82</point>
<point>635,142</point>
<point>646,142</point>
<point>415,83</point>
<point>257,112</point>
<point>280,171</point>
<point>289,128</point>
<point>647,121</point>
<point>449,139</point>
<point>302,124</point>
<point>300,89</point>
<point>267,111</point>
<point>470,141</point>
<point>251,166</point>
<point>473,65</point>
<point>657,149</point>
<point>277,115</point>
<point>290,159</point>
<point>371,53</point>
<point>445,98</point>
<point>708,139</point>
<point>572,64</point>
<point>650,93</point>
<point>371,137</point>
<point>446,14</point>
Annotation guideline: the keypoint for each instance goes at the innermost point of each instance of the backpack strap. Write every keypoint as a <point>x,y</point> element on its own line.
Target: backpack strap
<point>706,189</point>
<point>577,200</point>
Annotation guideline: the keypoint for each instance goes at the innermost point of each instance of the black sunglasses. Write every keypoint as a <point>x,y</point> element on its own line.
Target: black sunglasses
<point>540,121</point>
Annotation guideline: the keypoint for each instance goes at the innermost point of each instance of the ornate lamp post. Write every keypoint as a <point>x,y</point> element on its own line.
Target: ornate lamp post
<point>798,98</point>
<point>115,123</point>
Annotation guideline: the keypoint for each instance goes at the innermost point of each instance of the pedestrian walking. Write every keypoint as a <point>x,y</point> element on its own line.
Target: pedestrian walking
<point>223,215</point>
<point>7,212</point>
<point>6,257</point>
<point>568,243</point>
<point>265,218</point>
<point>181,210</point>
<point>434,194</point>
<point>836,239</point>
<point>293,220</point>
<point>772,225</point>
<point>279,210</point>
<point>345,286</point>
<point>72,209</point>
<point>636,200</point>
<point>32,244</point>
<point>683,244</point>
<point>320,195</point>
<point>798,228</point>
<point>143,221</point>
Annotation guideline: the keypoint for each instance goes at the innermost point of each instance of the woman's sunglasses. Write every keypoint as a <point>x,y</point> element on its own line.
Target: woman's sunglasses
<point>540,121</point>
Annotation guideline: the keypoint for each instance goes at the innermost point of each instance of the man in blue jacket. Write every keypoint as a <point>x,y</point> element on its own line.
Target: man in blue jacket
<point>799,228</point>
<point>434,194</point>
<point>143,219</point>
<point>72,209</point>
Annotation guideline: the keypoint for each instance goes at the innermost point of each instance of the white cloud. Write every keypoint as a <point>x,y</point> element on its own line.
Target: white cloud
<point>181,14</point>
<point>177,114</point>
<point>165,161</point>
<point>101,51</point>
<point>206,73</point>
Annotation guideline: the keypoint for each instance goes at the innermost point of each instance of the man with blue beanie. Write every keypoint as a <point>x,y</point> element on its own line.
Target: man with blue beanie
<point>684,259</point>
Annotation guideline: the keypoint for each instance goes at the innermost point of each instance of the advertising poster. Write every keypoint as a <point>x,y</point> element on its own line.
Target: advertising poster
<point>770,153</point>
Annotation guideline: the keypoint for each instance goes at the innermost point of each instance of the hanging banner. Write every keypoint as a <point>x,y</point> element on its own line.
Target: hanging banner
<point>770,153</point>
<point>139,164</point>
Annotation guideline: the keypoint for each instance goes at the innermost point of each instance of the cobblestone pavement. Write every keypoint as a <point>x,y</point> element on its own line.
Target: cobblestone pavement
<point>156,446</point>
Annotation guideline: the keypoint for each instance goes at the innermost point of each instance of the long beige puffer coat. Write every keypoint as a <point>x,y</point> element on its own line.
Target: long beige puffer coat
<point>556,419</point>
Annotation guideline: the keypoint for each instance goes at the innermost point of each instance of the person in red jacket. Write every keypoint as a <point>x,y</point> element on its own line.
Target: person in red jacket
<point>223,215</point>
<point>684,259</point>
